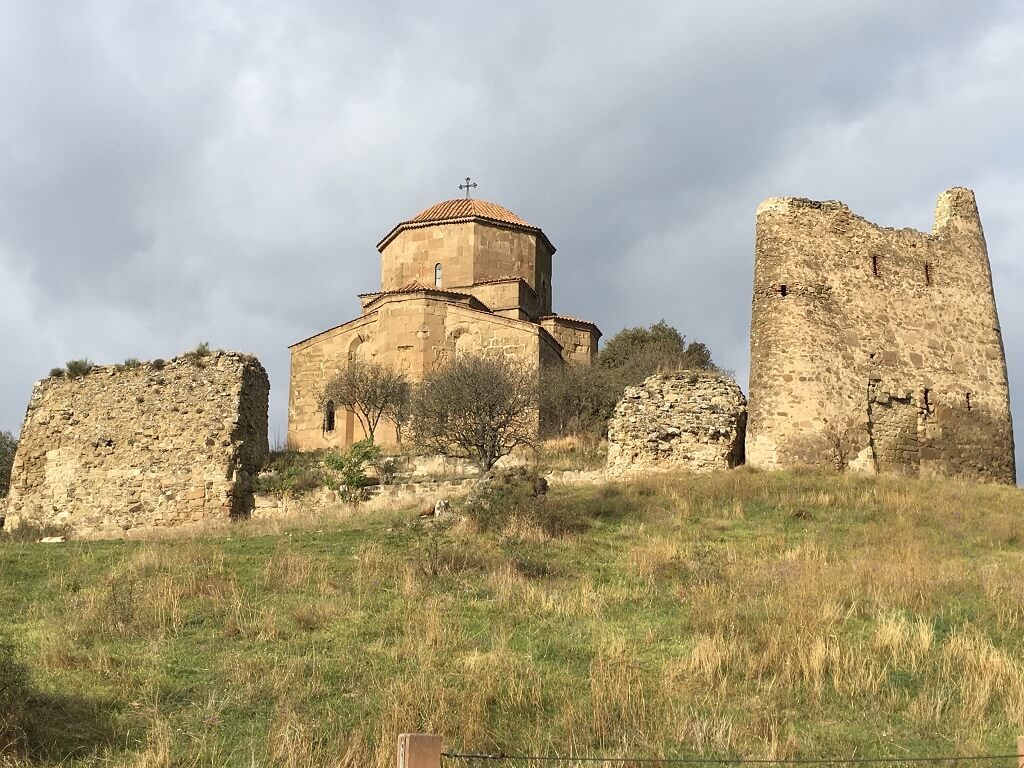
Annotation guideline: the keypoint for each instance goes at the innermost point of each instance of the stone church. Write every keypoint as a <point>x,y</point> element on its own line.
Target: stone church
<point>463,276</point>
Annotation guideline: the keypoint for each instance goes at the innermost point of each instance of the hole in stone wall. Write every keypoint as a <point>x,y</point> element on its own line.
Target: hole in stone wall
<point>783,291</point>
<point>329,417</point>
<point>927,274</point>
<point>926,403</point>
<point>874,266</point>
<point>967,400</point>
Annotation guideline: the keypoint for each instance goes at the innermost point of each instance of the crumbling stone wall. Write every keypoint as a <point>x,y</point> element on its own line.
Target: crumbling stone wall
<point>877,349</point>
<point>691,420</point>
<point>153,445</point>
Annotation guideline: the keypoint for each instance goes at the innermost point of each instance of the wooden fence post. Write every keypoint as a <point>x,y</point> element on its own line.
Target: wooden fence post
<point>1020,752</point>
<point>419,750</point>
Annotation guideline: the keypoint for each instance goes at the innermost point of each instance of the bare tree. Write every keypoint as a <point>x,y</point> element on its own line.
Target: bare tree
<point>370,390</point>
<point>479,407</point>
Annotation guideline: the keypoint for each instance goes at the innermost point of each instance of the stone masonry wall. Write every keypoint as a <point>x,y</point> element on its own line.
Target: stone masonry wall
<point>877,349</point>
<point>469,253</point>
<point>148,446</point>
<point>578,340</point>
<point>691,420</point>
<point>409,333</point>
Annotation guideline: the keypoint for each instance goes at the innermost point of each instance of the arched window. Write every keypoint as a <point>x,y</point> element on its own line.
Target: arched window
<point>329,416</point>
<point>437,275</point>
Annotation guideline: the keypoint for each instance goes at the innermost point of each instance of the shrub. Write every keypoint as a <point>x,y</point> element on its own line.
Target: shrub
<point>76,369</point>
<point>197,355</point>
<point>8,447</point>
<point>131,362</point>
<point>158,364</point>
<point>292,472</point>
<point>56,373</point>
<point>520,494</point>
<point>349,467</point>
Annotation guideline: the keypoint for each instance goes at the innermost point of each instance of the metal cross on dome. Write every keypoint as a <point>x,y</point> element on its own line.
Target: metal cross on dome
<point>467,186</point>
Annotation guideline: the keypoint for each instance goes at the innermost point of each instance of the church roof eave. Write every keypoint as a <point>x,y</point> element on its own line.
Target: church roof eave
<point>465,220</point>
<point>464,210</point>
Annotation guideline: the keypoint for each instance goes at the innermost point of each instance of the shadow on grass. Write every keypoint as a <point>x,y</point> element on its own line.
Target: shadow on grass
<point>56,728</point>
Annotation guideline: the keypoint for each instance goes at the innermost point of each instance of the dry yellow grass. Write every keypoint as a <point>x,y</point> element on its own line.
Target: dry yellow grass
<point>739,614</point>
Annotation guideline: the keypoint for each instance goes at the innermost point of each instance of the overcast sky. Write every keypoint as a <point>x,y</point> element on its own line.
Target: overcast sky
<point>175,171</point>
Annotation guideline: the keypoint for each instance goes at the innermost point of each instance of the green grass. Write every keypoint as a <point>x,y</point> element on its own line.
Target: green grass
<point>737,614</point>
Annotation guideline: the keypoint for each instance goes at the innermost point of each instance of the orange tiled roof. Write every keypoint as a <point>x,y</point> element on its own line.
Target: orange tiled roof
<point>461,208</point>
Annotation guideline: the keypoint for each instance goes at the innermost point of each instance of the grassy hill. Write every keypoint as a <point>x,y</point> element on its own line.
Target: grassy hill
<point>739,614</point>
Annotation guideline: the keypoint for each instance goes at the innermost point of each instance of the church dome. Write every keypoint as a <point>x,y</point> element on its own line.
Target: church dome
<point>463,208</point>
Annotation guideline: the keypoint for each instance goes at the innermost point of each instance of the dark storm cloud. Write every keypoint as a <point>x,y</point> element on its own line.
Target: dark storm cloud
<point>173,171</point>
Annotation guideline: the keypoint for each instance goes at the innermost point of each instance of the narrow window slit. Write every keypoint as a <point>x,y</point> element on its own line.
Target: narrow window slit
<point>329,416</point>
<point>783,290</point>
<point>874,265</point>
<point>967,400</point>
<point>927,405</point>
<point>927,274</point>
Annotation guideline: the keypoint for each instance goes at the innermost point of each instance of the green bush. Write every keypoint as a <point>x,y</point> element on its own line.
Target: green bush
<point>158,364</point>
<point>15,691</point>
<point>292,472</point>
<point>56,373</point>
<point>349,467</point>
<point>298,472</point>
<point>76,369</point>
<point>8,447</point>
<point>131,362</point>
<point>520,494</point>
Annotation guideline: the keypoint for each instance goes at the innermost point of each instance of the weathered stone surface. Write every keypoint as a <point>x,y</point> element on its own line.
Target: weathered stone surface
<point>691,420</point>
<point>877,349</point>
<point>122,448</point>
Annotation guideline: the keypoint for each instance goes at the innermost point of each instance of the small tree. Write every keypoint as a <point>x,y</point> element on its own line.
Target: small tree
<point>577,399</point>
<point>370,390</point>
<point>479,407</point>
<point>639,352</point>
<point>8,447</point>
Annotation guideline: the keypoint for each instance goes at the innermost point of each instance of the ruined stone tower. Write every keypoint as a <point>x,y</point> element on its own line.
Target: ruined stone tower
<point>876,349</point>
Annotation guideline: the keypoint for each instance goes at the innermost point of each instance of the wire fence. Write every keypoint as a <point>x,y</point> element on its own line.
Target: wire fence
<point>471,760</point>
